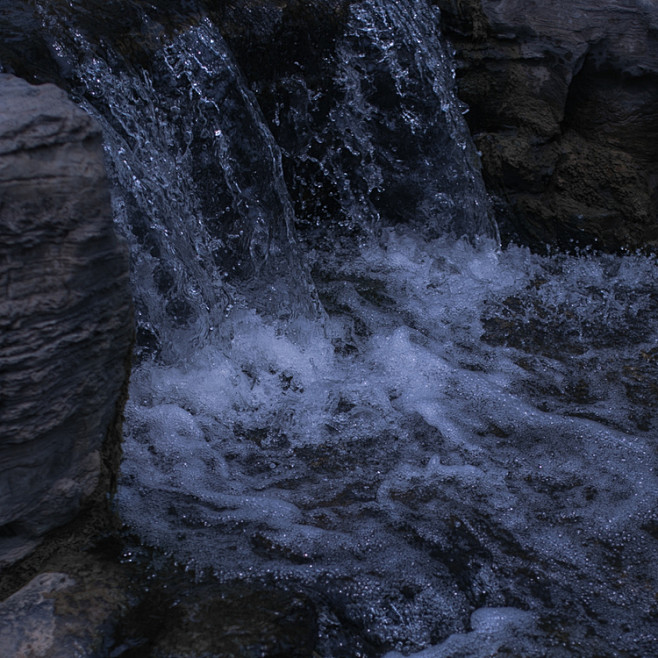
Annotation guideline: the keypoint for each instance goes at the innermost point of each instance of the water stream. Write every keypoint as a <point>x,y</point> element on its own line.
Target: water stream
<point>449,445</point>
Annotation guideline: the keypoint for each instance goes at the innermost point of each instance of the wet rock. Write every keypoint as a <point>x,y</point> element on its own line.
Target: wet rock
<point>23,50</point>
<point>58,616</point>
<point>563,108</point>
<point>65,316</point>
<point>27,619</point>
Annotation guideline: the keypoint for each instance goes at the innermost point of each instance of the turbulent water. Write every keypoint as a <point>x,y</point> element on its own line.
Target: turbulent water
<point>450,445</point>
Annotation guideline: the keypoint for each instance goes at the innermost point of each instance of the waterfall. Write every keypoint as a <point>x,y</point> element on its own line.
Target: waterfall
<point>346,386</point>
<point>199,188</point>
<point>199,191</point>
<point>382,134</point>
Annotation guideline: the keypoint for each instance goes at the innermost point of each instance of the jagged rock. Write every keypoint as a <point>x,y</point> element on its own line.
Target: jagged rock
<point>564,108</point>
<point>65,315</point>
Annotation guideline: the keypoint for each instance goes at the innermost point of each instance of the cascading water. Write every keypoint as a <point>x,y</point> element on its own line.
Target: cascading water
<point>459,449</point>
<point>381,134</point>
<point>199,191</point>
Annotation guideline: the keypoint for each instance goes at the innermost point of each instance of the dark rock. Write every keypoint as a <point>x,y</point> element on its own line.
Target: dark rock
<point>65,316</point>
<point>58,616</point>
<point>23,50</point>
<point>564,108</point>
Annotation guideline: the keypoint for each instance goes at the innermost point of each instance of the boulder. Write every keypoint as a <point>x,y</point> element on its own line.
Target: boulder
<point>58,616</point>
<point>563,103</point>
<point>65,316</point>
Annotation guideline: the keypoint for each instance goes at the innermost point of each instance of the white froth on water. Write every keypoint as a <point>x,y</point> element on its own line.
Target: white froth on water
<point>464,431</point>
<point>494,630</point>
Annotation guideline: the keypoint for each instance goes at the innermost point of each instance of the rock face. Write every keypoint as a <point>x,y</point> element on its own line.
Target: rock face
<point>564,108</point>
<point>65,315</point>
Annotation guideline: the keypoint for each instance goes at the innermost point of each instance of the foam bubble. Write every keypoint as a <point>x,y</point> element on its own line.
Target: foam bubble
<point>494,629</point>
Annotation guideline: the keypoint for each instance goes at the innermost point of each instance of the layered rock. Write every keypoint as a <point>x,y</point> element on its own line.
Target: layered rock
<point>564,108</point>
<point>65,315</point>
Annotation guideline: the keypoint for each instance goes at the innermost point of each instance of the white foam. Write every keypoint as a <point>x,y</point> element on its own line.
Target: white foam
<point>493,628</point>
<point>265,454</point>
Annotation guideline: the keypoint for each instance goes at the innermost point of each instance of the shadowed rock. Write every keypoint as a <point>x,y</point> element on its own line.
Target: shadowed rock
<point>65,315</point>
<point>563,99</point>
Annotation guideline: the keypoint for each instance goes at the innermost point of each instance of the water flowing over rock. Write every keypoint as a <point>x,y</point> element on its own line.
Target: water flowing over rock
<point>199,191</point>
<point>65,314</point>
<point>366,117</point>
<point>563,99</point>
<point>349,395</point>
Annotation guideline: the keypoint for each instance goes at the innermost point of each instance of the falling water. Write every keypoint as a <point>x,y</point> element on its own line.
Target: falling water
<point>450,445</point>
<point>199,191</point>
<point>382,133</point>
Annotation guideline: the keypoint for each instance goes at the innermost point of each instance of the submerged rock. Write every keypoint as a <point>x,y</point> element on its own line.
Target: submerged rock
<point>563,108</point>
<point>227,620</point>
<point>65,316</point>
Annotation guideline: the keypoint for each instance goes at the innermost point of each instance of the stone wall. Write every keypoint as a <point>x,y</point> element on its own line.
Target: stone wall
<point>563,103</point>
<point>65,316</point>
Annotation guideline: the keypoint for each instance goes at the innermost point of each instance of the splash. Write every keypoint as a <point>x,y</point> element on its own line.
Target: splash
<point>198,187</point>
<point>462,437</point>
